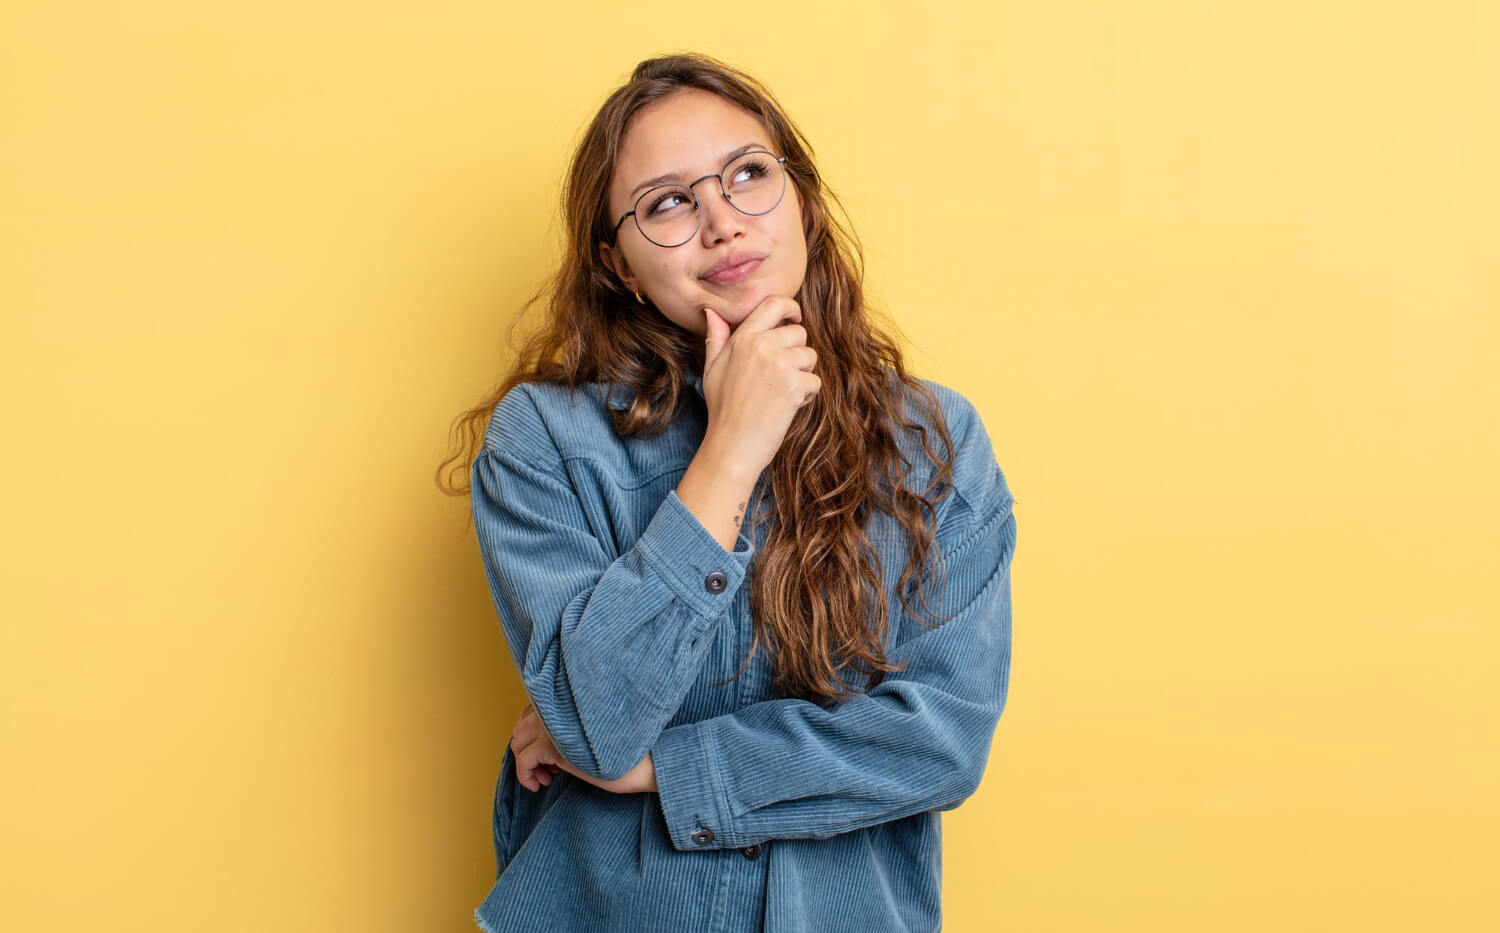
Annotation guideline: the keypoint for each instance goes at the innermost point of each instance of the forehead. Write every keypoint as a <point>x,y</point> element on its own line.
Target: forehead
<point>688,130</point>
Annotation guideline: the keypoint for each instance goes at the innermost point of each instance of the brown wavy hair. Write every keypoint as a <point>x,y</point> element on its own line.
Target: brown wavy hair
<point>823,488</point>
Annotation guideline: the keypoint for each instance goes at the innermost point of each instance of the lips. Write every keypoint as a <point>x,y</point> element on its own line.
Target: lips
<point>729,264</point>
<point>735,274</point>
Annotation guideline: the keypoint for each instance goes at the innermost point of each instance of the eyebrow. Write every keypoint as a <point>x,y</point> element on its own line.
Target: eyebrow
<point>673,176</point>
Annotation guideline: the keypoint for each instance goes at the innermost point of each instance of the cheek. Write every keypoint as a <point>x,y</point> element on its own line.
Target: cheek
<point>674,276</point>
<point>794,251</point>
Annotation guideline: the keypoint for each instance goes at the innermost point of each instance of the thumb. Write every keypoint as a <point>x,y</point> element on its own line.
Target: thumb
<point>718,333</point>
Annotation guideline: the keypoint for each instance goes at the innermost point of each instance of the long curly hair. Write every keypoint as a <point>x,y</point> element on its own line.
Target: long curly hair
<point>822,485</point>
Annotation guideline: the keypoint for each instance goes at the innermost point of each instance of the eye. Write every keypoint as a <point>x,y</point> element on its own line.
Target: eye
<point>657,202</point>
<point>748,171</point>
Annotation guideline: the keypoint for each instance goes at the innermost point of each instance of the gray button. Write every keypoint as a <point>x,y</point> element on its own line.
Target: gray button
<point>703,836</point>
<point>715,582</point>
<point>751,852</point>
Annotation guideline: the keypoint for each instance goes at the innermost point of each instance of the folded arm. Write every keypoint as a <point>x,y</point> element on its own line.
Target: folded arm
<point>607,647</point>
<point>918,740</point>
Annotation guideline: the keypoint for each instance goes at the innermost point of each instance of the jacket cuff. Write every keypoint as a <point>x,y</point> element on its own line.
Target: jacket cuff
<point>691,792</point>
<point>691,560</point>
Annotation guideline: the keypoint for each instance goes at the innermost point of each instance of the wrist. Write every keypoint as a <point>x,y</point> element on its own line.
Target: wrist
<point>720,460</point>
<point>717,494</point>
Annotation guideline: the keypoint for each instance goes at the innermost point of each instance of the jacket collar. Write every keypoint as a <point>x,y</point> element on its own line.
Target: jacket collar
<point>620,402</point>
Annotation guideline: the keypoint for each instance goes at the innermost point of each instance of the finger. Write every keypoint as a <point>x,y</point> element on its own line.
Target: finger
<point>528,727</point>
<point>523,773</point>
<point>525,732</point>
<point>534,722</point>
<point>718,334</point>
<point>543,774</point>
<point>528,756</point>
<point>540,756</point>
<point>770,313</point>
<point>813,384</point>
<point>527,768</point>
<point>789,335</point>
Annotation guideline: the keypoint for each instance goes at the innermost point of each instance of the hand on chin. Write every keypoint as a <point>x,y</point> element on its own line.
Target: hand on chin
<point>736,310</point>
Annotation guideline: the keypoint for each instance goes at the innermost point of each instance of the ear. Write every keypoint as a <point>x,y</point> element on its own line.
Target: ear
<point>614,260</point>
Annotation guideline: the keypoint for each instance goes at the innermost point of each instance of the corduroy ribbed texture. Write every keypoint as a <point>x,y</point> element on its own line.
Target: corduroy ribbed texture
<point>772,814</point>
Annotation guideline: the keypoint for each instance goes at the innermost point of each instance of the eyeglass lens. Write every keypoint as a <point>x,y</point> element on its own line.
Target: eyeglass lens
<point>668,216</point>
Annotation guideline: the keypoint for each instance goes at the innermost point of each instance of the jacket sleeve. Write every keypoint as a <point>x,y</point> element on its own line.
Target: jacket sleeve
<point>606,647</point>
<point>918,740</point>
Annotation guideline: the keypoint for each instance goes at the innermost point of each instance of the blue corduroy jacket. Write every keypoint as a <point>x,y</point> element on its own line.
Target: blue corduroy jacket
<point>627,620</point>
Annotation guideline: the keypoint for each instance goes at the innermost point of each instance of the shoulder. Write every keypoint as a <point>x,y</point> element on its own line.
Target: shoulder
<point>960,413</point>
<point>569,433</point>
<point>980,487</point>
<point>536,420</point>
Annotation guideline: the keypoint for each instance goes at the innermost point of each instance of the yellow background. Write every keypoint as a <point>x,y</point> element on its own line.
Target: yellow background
<point>1221,278</point>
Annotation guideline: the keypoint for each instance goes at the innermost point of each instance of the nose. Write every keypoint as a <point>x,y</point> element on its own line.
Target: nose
<point>717,218</point>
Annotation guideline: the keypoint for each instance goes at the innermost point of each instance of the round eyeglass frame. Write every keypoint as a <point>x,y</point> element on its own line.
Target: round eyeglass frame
<point>698,205</point>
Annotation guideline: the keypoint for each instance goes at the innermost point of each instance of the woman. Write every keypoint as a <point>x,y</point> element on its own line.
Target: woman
<point>691,497</point>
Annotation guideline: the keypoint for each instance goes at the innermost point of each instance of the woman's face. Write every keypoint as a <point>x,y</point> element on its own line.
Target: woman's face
<point>688,134</point>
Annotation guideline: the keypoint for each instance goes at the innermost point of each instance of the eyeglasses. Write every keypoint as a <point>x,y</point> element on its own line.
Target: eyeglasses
<point>669,215</point>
